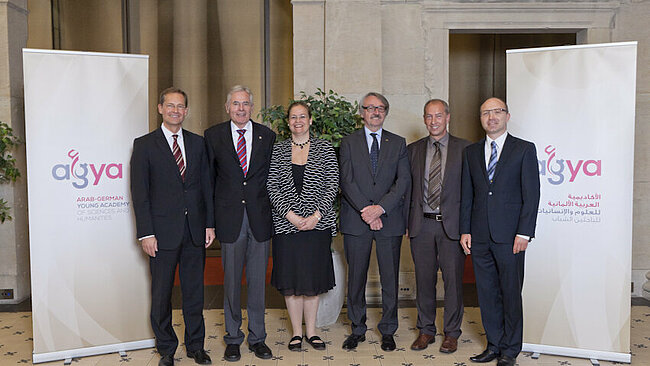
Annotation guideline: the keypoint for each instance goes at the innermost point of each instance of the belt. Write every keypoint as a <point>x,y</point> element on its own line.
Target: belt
<point>432,216</point>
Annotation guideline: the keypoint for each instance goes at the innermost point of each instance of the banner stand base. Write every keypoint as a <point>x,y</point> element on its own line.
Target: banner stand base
<point>68,355</point>
<point>591,355</point>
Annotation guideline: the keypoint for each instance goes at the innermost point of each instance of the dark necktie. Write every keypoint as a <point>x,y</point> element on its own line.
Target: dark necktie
<point>374,153</point>
<point>435,178</point>
<point>176,150</point>
<point>241,151</point>
<point>492,164</point>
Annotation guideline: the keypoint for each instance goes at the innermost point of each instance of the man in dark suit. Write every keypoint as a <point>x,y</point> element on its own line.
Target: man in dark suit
<point>375,180</point>
<point>498,214</point>
<point>240,155</point>
<point>436,162</point>
<point>172,193</point>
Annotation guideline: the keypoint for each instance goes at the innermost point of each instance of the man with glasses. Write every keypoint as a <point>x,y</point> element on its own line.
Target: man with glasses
<point>172,194</point>
<point>498,214</point>
<point>240,156</point>
<point>436,162</point>
<point>375,180</point>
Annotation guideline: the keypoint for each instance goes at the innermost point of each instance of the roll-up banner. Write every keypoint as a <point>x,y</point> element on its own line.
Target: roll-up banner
<point>90,280</point>
<point>577,104</point>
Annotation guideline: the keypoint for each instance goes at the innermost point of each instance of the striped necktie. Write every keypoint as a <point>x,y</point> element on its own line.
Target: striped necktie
<point>492,164</point>
<point>178,156</point>
<point>435,174</point>
<point>241,151</point>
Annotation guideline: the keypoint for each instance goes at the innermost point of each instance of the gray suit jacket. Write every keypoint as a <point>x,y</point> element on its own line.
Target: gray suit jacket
<point>389,188</point>
<point>450,196</point>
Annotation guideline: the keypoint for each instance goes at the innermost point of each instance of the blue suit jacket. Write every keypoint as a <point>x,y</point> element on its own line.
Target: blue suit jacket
<point>506,207</point>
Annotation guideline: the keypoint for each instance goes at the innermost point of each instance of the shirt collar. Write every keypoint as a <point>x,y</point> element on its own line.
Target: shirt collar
<point>368,132</point>
<point>499,140</point>
<point>168,134</point>
<point>443,140</point>
<point>234,128</point>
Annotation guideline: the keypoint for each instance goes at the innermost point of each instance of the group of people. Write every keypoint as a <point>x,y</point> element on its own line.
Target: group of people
<point>237,185</point>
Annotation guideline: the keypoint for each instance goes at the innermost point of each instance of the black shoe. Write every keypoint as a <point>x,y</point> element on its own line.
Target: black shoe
<point>316,342</point>
<point>200,356</point>
<point>261,350</point>
<point>487,356</point>
<point>295,346</point>
<point>166,360</point>
<point>388,343</point>
<point>353,340</point>
<point>506,361</point>
<point>232,353</point>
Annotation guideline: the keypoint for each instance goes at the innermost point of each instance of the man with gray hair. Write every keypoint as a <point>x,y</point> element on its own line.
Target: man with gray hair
<point>375,180</point>
<point>239,152</point>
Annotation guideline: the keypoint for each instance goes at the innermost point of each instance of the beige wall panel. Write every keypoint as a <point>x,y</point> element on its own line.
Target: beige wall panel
<point>281,52</point>
<point>191,60</point>
<point>39,23</point>
<point>235,52</point>
<point>309,42</point>
<point>91,25</point>
<point>632,24</point>
<point>148,41</point>
<point>353,57</point>
<point>14,245</point>
<point>402,51</point>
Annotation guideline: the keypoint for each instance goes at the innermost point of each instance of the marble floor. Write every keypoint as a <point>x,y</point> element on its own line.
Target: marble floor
<point>16,343</point>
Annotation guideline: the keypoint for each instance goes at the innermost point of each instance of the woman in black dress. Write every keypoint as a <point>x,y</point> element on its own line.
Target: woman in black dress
<point>303,183</point>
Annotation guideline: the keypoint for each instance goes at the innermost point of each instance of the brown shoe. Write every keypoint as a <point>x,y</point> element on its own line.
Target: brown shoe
<point>422,342</point>
<point>449,345</point>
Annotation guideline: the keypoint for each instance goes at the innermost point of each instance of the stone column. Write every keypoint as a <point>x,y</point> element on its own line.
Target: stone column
<point>191,59</point>
<point>14,243</point>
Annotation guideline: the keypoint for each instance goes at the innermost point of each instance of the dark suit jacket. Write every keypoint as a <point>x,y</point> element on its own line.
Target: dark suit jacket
<point>161,198</point>
<point>388,188</point>
<point>233,192</point>
<point>450,195</point>
<point>508,206</point>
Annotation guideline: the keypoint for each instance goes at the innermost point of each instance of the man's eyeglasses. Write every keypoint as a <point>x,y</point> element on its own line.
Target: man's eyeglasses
<point>180,107</point>
<point>372,108</point>
<point>496,111</point>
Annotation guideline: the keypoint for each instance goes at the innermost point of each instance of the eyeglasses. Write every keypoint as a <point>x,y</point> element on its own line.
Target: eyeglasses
<point>496,111</point>
<point>372,108</point>
<point>171,106</point>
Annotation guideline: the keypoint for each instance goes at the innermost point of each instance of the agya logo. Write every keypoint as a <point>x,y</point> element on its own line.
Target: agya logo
<point>554,168</point>
<point>78,172</point>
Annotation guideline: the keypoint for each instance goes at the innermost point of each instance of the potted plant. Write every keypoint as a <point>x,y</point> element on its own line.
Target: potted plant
<point>8,171</point>
<point>333,117</point>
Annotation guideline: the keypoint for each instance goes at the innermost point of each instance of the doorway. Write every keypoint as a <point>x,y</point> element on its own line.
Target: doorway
<point>477,71</point>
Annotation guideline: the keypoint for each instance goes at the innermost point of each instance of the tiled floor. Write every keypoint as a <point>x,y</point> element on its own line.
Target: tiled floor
<point>16,343</point>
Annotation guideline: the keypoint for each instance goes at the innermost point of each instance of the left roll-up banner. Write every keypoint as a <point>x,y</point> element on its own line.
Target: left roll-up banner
<point>90,279</point>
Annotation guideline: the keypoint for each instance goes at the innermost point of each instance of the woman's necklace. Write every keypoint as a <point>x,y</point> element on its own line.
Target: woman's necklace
<point>300,145</point>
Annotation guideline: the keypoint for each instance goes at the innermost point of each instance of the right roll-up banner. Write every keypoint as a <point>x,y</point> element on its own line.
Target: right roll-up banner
<point>577,104</point>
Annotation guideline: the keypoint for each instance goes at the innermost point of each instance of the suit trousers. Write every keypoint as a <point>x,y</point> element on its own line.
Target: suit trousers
<point>499,280</point>
<point>357,253</point>
<point>245,251</point>
<point>191,263</point>
<point>432,249</point>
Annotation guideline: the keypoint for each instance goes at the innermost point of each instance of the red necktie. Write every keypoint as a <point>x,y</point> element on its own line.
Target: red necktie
<point>241,151</point>
<point>176,150</point>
